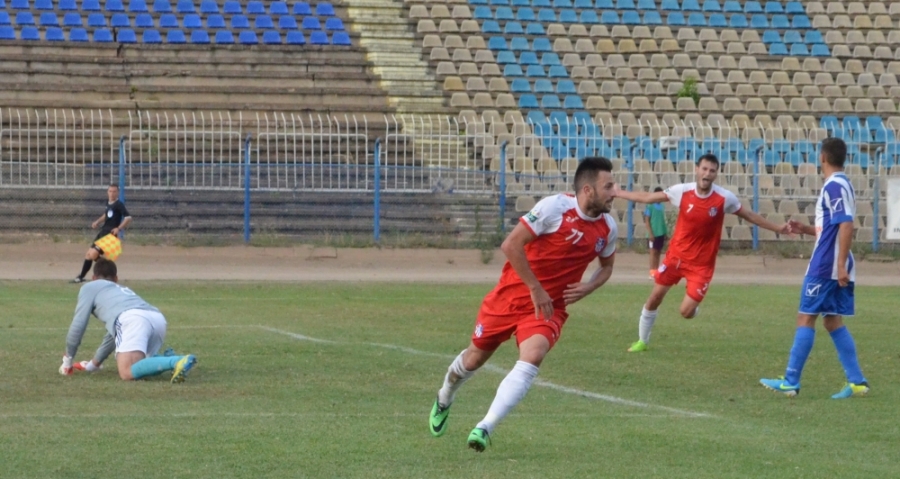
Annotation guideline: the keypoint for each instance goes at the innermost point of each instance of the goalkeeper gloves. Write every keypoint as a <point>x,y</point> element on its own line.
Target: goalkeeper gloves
<point>66,368</point>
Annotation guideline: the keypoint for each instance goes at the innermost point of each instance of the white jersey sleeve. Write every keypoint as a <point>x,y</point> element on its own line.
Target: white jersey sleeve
<point>675,192</point>
<point>547,215</point>
<point>610,247</point>
<point>732,203</point>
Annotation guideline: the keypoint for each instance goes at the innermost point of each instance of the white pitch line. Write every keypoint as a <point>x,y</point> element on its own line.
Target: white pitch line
<point>146,414</point>
<point>170,328</point>
<point>499,370</point>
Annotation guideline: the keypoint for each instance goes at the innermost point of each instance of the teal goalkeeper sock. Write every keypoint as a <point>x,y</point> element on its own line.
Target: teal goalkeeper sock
<point>153,366</point>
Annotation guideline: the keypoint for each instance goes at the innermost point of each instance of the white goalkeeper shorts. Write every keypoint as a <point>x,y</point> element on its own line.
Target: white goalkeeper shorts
<point>139,330</point>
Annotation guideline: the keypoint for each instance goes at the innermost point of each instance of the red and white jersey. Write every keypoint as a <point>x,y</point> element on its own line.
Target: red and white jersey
<point>698,230</point>
<point>567,241</point>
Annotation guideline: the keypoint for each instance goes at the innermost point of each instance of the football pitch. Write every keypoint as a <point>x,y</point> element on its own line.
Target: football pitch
<point>325,380</point>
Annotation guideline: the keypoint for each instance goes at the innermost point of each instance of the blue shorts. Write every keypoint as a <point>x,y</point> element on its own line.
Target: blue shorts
<point>826,297</point>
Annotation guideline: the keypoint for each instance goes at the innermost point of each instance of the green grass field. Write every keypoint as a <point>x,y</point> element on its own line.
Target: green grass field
<point>266,401</point>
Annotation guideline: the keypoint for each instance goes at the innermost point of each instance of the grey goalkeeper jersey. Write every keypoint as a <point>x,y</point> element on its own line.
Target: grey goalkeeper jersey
<point>106,300</point>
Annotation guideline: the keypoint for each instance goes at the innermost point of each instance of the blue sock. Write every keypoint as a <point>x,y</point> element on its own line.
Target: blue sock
<point>846,350</point>
<point>803,344</point>
<point>153,366</point>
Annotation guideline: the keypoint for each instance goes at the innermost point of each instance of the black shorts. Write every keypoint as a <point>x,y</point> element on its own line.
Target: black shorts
<point>657,243</point>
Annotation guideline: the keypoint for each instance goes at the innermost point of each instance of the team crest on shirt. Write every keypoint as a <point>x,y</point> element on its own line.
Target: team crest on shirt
<point>532,216</point>
<point>479,330</point>
<point>837,205</point>
<point>598,246</point>
<point>109,213</point>
<point>713,211</point>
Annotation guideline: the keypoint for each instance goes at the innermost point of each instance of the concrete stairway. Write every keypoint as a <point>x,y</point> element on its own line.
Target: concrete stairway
<point>391,48</point>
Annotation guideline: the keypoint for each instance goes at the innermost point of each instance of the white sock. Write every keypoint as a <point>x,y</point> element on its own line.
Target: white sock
<point>512,389</point>
<point>646,324</point>
<point>455,377</point>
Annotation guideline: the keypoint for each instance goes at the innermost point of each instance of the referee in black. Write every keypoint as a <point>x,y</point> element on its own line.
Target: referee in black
<point>115,220</point>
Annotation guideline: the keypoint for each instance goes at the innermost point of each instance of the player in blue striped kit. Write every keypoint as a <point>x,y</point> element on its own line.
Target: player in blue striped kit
<point>830,277</point>
<point>135,328</point>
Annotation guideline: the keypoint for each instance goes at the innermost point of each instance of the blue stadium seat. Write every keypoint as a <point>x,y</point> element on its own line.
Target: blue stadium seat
<point>48,19</point>
<point>239,21</point>
<point>185,6</point>
<point>126,35</point>
<point>324,9</point>
<point>558,71</point>
<point>759,21</point>
<point>543,86</point>
<point>717,20</point>
<point>690,6</point>
<point>68,5</point>
<point>542,45</point>
<point>820,50</point>
<point>534,29</point>
<point>483,13</point>
<point>712,6</point>
<point>519,43</point>
<point>774,7</point>
<point>793,36</point>
<point>738,20</point>
<point>550,59</point>
<point>151,36</point>
<point>248,37</point>
<point>547,15</point>
<point>302,8</point>
<point>528,58</point>
<point>54,34</point>
<point>562,3</point>
<point>78,35</point>
<point>525,15</point>
<point>794,8</point>
<point>573,102</point>
<point>696,20</point>
<point>138,6</point>
<point>334,23</point>
<point>609,17</point>
<point>224,37</point>
<point>497,43</point>
<point>753,7</point>
<point>7,33</point>
<point>513,70</point>
<point>814,36</point>
<point>24,18</point>
<point>676,19</point>
<point>488,26</point>
<point>216,22</point>
<point>295,38</point>
<point>20,5</point>
<point>341,38</point>
<point>30,33</point>
<point>255,7</point>
<point>793,157</point>
<point>589,17</point>
<point>263,22</point>
<point>103,35</point>
<point>192,21</point>
<point>232,7</point>
<point>631,17</point>
<point>771,36</point>
<point>566,87</point>
<point>4,18</point>
<point>278,8</point>
<point>271,37</point>
<point>175,36</point>
<point>311,23</point>
<point>120,20</point>
<point>504,13</point>
<point>670,5</point>
<point>520,3</point>
<point>506,57</point>
<point>780,22</point>
<point>646,4</point>
<point>799,50</point>
<point>209,6</point>
<point>801,21</point>
<point>162,6</point>
<point>625,5</point>
<point>569,16</point>
<point>43,4</point>
<point>114,6</point>
<point>200,37</point>
<point>287,22</point>
<point>70,19</point>
<point>528,101</point>
<point>498,2</point>
<point>732,6</point>
<point>168,20</point>
<point>581,4</point>
<point>318,38</point>
<point>652,18</point>
<point>604,5</point>
<point>520,85</point>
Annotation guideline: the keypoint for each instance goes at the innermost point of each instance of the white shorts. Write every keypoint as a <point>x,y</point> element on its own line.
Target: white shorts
<point>139,330</point>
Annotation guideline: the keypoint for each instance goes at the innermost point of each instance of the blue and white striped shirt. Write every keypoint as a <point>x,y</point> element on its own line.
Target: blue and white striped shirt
<point>836,205</point>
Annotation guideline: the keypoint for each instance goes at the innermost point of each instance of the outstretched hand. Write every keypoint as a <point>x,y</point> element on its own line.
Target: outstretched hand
<point>795,226</point>
<point>575,291</point>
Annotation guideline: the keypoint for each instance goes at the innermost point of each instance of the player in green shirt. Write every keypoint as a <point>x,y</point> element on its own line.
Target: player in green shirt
<point>655,219</point>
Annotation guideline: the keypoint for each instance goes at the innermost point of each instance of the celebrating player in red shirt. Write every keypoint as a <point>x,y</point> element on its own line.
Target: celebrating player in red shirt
<point>547,253</point>
<point>692,253</point>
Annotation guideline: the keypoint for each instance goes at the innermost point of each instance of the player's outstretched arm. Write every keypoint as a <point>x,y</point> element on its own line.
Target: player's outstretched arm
<point>577,291</point>
<point>799,228</point>
<point>514,249</point>
<point>107,346</point>
<point>758,220</point>
<point>643,196</point>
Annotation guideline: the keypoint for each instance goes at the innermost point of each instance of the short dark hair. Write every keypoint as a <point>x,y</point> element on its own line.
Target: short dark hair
<point>105,268</point>
<point>835,151</point>
<point>657,189</point>
<point>710,158</point>
<point>113,185</point>
<point>588,169</point>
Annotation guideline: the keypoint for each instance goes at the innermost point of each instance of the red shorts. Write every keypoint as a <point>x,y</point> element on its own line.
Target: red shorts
<point>493,329</point>
<point>698,277</point>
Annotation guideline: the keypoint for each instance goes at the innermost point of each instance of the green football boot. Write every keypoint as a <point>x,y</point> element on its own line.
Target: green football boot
<point>437,423</point>
<point>638,347</point>
<point>479,439</point>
